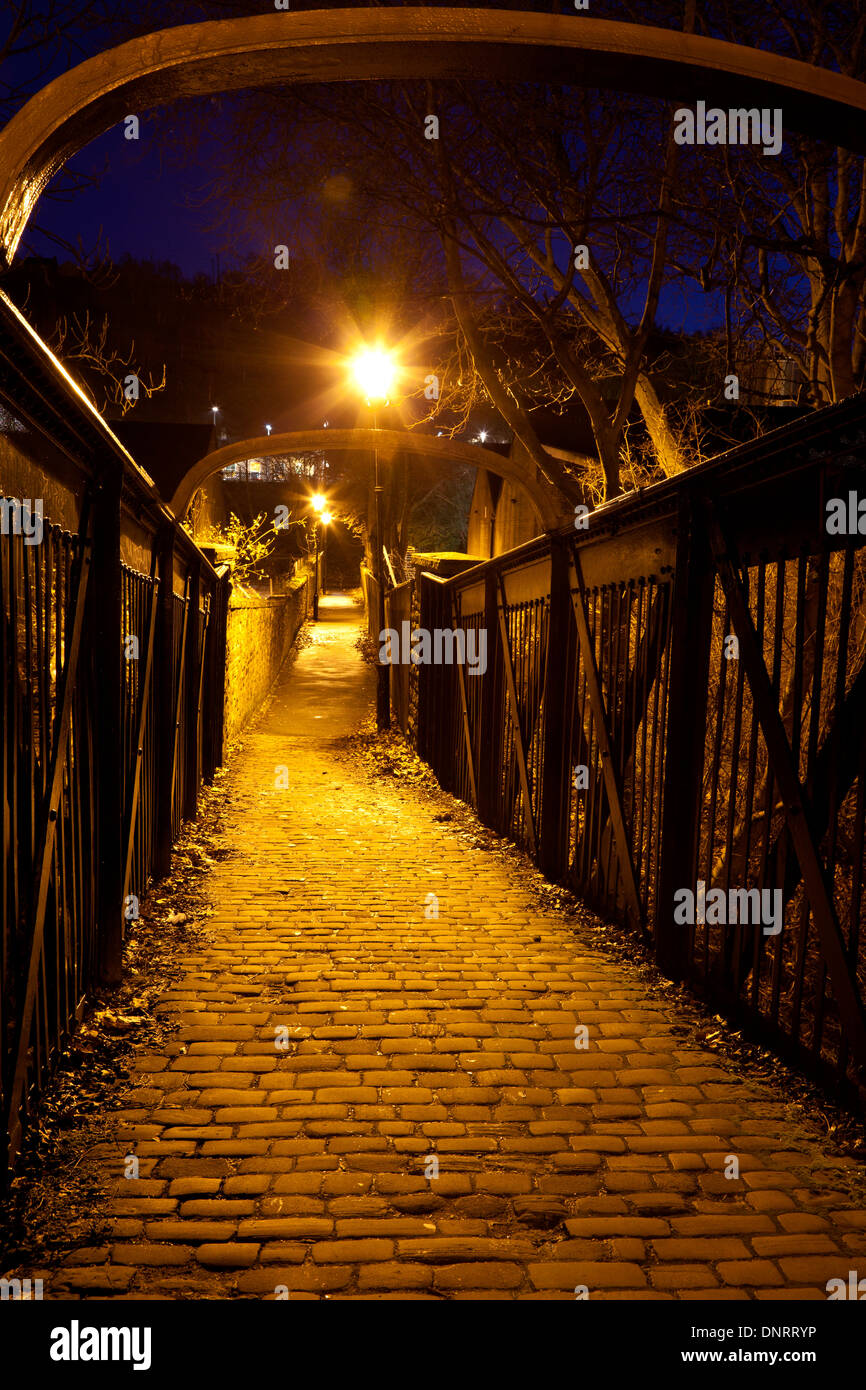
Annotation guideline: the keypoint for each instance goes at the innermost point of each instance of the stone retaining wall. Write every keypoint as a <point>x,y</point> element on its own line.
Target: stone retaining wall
<point>261,632</point>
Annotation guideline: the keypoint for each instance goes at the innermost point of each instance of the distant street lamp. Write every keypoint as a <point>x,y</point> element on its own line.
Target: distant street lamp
<point>375,374</point>
<point>268,429</point>
<point>319,503</point>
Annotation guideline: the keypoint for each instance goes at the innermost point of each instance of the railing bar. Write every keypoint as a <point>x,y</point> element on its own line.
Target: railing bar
<point>734,946</point>
<point>748,799</point>
<point>593,597</point>
<point>719,724</point>
<point>654,780</point>
<point>608,766</point>
<point>47,842</point>
<point>798,1024</point>
<point>797,809</point>
<point>809,780</point>
<point>834,808</point>
<point>779,862</point>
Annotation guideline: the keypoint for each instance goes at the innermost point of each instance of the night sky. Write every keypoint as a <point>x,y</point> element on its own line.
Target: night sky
<point>144,207</point>
<point>146,198</point>
<point>149,207</point>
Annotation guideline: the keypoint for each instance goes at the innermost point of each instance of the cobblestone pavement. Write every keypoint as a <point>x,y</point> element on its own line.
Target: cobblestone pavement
<point>301,1163</point>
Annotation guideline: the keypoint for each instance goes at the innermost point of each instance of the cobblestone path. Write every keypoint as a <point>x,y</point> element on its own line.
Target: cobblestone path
<point>302,1163</point>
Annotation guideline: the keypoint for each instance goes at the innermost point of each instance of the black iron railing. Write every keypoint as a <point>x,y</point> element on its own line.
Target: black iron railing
<point>112,656</point>
<point>675,703</point>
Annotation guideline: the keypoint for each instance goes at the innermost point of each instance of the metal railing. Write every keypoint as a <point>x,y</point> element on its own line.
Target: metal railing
<point>112,655</point>
<point>674,704</point>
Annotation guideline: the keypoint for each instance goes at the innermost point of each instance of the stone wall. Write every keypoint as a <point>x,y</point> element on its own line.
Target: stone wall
<point>261,632</point>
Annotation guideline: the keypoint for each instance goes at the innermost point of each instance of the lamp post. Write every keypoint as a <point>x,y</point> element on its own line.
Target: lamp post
<point>325,520</point>
<point>316,573</point>
<point>318,503</point>
<point>375,372</point>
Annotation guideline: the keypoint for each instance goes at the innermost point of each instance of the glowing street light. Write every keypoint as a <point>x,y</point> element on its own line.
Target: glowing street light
<point>319,504</point>
<point>375,373</point>
<point>268,429</point>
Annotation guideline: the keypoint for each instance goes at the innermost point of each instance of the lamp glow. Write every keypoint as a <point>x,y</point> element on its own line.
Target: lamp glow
<point>319,502</point>
<point>375,373</point>
<point>325,518</point>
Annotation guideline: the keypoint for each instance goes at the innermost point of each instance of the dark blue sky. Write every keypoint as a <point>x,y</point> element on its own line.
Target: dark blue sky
<point>153,209</point>
<point>149,204</point>
<point>144,208</point>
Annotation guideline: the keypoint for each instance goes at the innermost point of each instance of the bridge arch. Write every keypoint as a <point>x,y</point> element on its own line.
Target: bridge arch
<point>545,498</point>
<point>411,42</point>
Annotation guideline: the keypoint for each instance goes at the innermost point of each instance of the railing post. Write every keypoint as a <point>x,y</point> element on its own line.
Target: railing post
<point>691,628</point>
<point>106,595</point>
<point>555,783</point>
<point>189,793</point>
<point>216,680</point>
<point>165,693</point>
<point>435,743</point>
<point>426,714</point>
<point>492,711</point>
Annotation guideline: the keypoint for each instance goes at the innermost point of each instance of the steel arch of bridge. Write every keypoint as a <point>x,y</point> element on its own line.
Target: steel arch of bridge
<point>406,42</point>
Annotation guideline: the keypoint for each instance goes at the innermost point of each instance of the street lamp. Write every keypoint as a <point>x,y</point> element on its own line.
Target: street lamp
<point>318,502</point>
<point>375,373</point>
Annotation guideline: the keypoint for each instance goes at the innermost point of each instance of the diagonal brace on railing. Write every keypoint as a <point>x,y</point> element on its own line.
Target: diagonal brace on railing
<point>797,811</point>
<point>517,723</point>
<point>48,826</point>
<point>464,706</point>
<point>637,700</point>
<point>599,714</point>
<point>181,662</point>
<point>144,702</point>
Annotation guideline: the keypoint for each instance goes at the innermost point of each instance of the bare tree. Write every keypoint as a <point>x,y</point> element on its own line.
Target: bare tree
<point>80,341</point>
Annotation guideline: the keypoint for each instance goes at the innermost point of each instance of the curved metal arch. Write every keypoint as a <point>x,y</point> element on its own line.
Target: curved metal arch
<point>444,451</point>
<point>410,42</point>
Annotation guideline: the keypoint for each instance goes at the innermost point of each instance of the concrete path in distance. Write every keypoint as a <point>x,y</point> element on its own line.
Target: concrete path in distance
<point>330,686</point>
